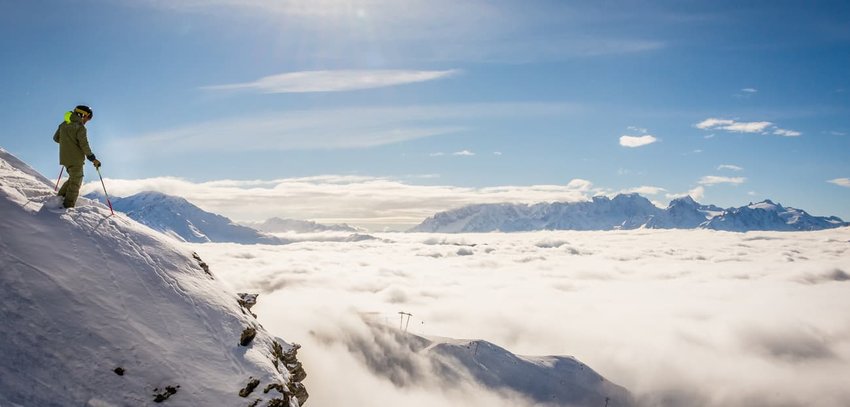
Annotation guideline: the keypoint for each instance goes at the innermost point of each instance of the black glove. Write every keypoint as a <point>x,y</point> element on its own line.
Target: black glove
<point>96,163</point>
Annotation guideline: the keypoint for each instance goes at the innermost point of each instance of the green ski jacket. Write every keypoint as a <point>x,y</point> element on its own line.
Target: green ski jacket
<point>73,141</point>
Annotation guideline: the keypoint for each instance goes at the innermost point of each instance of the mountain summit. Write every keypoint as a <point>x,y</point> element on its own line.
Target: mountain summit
<point>99,310</point>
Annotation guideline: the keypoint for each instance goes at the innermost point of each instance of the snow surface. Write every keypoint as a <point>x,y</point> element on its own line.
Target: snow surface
<point>83,293</point>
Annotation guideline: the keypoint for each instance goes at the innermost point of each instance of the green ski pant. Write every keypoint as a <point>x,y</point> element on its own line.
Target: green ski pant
<point>71,188</point>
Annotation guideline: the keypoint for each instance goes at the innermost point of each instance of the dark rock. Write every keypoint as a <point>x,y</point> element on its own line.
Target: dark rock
<point>299,392</point>
<point>276,386</point>
<point>247,301</point>
<point>279,403</point>
<point>252,384</point>
<point>201,263</point>
<point>168,392</point>
<point>247,336</point>
<point>255,403</point>
<point>119,371</point>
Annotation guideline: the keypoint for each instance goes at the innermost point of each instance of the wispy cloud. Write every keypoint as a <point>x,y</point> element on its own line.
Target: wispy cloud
<point>464,153</point>
<point>714,180</point>
<point>360,127</point>
<point>645,190</point>
<point>786,133</point>
<point>735,126</point>
<point>842,182</point>
<point>334,81</point>
<point>417,30</point>
<point>637,141</point>
<point>729,167</point>
<point>746,93</point>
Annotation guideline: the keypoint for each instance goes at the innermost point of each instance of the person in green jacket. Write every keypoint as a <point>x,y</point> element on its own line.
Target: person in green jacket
<point>73,150</point>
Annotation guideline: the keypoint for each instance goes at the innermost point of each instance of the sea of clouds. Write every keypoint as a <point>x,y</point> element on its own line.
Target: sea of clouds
<point>680,318</point>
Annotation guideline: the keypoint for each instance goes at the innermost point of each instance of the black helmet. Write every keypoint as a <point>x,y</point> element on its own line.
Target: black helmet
<point>84,111</point>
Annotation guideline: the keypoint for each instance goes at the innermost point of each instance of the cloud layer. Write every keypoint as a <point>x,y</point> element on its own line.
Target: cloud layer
<point>681,318</point>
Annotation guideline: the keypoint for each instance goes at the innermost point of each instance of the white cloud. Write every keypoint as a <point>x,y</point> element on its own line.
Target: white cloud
<point>734,126</point>
<point>636,141</point>
<point>464,153</point>
<point>370,202</point>
<point>497,153</point>
<point>786,133</point>
<point>837,133</point>
<point>644,190</point>
<point>696,193</point>
<point>749,90</point>
<point>843,182</point>
<point>335,81</point>
<point>327,129</point>
<point>714,180</point>
<point>640,130</point>
<point>698,295</point>
<point>729,167</point>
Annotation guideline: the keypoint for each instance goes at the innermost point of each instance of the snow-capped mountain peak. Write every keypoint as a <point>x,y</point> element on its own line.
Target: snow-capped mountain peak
<point>182,220</point>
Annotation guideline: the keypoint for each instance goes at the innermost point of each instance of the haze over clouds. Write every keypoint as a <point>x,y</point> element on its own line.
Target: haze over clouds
<point>371,202</point>
<point>680,318</point>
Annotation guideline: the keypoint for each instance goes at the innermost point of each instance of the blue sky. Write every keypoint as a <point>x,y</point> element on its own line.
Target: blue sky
<point>729,102</point>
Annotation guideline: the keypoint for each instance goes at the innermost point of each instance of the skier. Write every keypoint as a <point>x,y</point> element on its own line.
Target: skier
<point>73,150</point>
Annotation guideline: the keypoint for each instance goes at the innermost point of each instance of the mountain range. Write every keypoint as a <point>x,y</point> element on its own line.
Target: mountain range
<point>624,211</point>
<point>279,225</point>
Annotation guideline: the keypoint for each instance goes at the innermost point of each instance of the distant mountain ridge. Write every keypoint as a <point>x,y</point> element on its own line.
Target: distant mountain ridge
<point>624,211</point>
<point>278,225</point>
<point>184,221</point>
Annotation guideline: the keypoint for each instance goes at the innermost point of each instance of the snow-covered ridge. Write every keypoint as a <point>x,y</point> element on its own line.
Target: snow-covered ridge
<point>99,310</point>
<point>624,211</point>
<point>184,221</point>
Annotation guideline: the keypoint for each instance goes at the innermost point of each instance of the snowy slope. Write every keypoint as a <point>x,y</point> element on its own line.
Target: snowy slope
<point>559,380</point>
<point>83,294</point>
<point>767,215</point>
<point>184,221</point>
<point>624,211</point>
<point>553,380</point>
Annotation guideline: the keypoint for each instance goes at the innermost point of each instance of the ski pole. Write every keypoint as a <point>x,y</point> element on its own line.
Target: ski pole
<point>56,188</point>
<point>104,191</point>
